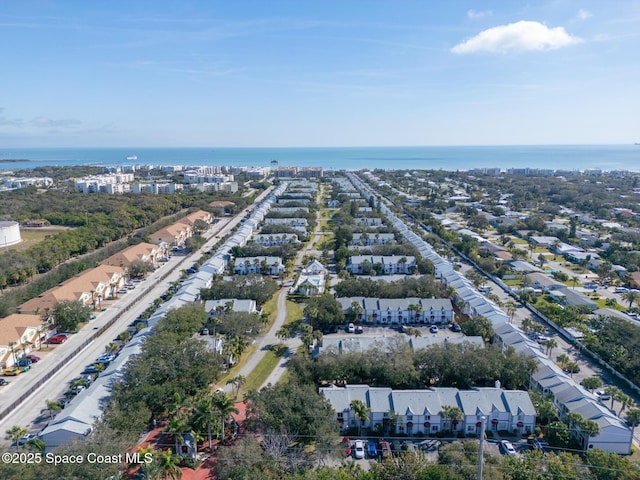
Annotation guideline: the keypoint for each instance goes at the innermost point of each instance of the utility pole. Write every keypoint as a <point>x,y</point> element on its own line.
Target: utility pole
<point>483,420</point>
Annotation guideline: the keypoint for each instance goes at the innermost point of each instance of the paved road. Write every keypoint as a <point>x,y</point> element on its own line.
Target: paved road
<point>135,302</point>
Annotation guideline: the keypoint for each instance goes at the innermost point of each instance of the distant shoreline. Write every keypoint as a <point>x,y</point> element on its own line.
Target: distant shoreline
<point>14,160</point>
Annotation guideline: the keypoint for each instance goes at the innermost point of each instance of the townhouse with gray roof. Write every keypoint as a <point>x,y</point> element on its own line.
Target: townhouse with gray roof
<point>389,264</point>
<point>412,310</point>
<point>420,412</point>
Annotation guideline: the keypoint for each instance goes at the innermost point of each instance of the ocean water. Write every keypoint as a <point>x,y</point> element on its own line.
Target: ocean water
<point>565,157</point>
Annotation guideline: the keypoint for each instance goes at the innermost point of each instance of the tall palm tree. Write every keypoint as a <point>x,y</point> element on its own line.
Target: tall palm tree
<point>614,392</point>
<point>633,417</point>
<point>549,345</point>
<point>625,401</point>
<point>204,415</point>
<point>361,411</point>
<point>225,407</point>
<point>237,383</point>
<point>511,309</point>
<point>14,434</point>
<point>53,407</point>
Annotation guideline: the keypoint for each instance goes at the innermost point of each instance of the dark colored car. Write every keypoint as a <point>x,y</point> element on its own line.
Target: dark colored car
<point>33,358</point>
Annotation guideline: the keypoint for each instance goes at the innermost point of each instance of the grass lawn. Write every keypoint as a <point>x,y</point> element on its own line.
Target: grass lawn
<point>33,236</point>
<point>519,241</point>
<point>602,303</point>
<point>262,371</point>
<point>232,371</point>
<point>269,309</point>
<point>294,312</point>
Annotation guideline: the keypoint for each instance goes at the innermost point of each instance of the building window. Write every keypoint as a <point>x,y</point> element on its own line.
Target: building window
<point>409,418</point>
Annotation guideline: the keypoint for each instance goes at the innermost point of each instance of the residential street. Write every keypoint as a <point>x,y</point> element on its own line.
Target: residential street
<point>131,304</point>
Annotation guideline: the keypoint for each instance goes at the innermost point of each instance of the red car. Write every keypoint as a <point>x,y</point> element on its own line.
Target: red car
<point>33,358</point>
<point>58,339</point>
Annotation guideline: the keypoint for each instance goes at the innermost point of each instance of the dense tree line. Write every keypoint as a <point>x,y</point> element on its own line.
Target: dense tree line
<point>421,287</point>
<point>286,252</point>
<point>399,366</point>
<point>172,366</point>
<point>256,287</point>
<point>618,344</point>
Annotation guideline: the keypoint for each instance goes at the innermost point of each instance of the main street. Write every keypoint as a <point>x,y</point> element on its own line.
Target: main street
<point>132,305</point>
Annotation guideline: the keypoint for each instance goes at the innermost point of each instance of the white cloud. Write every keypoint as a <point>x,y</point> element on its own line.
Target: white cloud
<point>517,37</point>
<point>584,14</point>
<point>475,14</point>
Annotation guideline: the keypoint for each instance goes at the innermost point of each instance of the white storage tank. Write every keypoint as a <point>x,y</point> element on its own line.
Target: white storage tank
<point>9,234</point>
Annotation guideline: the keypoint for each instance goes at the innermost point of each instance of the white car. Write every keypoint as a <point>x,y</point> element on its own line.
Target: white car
<point>358,449</point>
<point>602,395</point>
<point>351,328</point>
<point>507,448</point>
<point>433,329</point>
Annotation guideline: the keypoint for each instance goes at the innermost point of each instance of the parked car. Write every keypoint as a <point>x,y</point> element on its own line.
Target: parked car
<point>13,371</point>
<point>603,396</point>
<point>429,445</point>
<point>4,382</point>
<point>25,438</point>
<point>24,362</point>
<point>433,329</point>
<point>89,369</point>
<point>456,327</point>
<point>409,446</point>
<point>507,447</point>
<point>106,358</point>
<point>358,449</point>
<point>57,339</point>
<point>372,449</point>
<point>33,358</point>
<point>351,328</point>
<point>385,448</point>
<point>359,329</point>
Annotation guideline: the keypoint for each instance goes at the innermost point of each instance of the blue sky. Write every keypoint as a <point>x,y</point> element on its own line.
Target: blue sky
<point>319,73</point>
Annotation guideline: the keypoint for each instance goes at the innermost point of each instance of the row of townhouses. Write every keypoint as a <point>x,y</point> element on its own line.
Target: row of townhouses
<point>390,264</point>
<point>615,435</point>
<point>411,310</point>
<point>420,412</point>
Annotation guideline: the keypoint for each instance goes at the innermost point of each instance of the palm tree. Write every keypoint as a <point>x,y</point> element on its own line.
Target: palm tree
<point>237,383</point>
<point>633,417</point>
<point>625,401</point>
<point>572,367</point>
<point>511,309</point>
<point>53,407</point>
<point>631,297</point>
<point>204,415</point>
<point>36,445</point>
<point>177,427</point>
<point>549,345</point>
<point>15,433</point>
<point>451,414</point>
<point>356,310</point>
<point>112,347</point>
<point>563,359</point>
<point>614,392</point>
<point>169,465</point>
<point>361,411</point>
<point>225,407</point>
